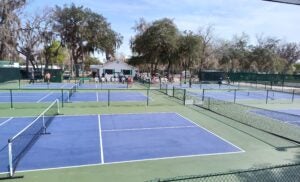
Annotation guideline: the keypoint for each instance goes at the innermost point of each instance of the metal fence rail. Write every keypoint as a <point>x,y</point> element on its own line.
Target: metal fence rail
<point>284,173</point>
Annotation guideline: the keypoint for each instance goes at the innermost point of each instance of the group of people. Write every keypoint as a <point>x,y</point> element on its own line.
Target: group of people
<point>47,77</point>
<point>105,78</point>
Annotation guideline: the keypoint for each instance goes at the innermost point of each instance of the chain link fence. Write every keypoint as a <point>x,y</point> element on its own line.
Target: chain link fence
<point>284,173</point>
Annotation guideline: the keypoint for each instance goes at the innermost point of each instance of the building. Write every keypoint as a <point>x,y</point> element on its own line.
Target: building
<point>113,68</point>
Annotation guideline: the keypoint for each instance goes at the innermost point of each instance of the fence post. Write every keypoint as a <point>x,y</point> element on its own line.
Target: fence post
<point>267,97</point>
<point>265,85</point>
<point>148,97</point>
<point>184,96</point>
<point>173,91</point>
<point>234,96</point>
<point>271,85</point>
<point>203,92</point>
<point>62,97</point>
<point>108,97</point>
<point>293,96</point>
<point>166,89</point>
<point>11,99</point>
<point>19,83</point>
<point>283,80</point>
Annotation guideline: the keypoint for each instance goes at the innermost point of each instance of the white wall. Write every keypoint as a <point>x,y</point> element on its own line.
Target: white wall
<point>117,66</point>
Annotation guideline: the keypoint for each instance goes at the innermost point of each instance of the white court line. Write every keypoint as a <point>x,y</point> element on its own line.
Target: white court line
<point>19,96</point>
<point>63,86</point>
<point>210,132</point>
<point>44,97</point>
<point>154,128</point>
<point>97,96</point>
<point>9,119</point>
<point>82,115</point>
<point>100,137</point>
<point>122,162</point>
<point>131,161</point>
<point>138,113</point>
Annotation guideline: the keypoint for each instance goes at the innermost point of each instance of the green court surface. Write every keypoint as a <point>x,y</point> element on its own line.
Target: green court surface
<point>260,148</point>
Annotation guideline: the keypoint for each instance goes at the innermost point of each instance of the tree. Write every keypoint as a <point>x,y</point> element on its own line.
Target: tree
<point>84,32</point>
<point>155,43</point>
<point>9,27</point>
<point>206,34</point>
<point>54,54</point>
<point>189,48</point>
<point>32,36</point>
<point>264,55</point>
<point>290,52</point>
<point>88,61</point>
<point>233,55</point>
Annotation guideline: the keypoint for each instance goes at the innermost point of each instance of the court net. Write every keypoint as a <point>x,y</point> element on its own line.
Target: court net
<point>19,144</point>
<point>276,123</point>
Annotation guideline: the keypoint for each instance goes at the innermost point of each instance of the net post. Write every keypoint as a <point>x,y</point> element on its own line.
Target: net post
<point>234,100</point>
<point>19,81</point>
<point>203,92</point>
<point>10,159</point>
<point>265,85</point>
<point>11,99</point>
<point>148,97</point>
<point>173,94</point>
<point>57,102</point>
<point>166,89</point>
<point>293,96</point>
<point>69,95</point>
<point>208,106</point>
<point>184,96</point>
<point>271,85</point>
<point>62,97</point>
<point>267,96</point>
<point>44,125</point>
<point>108,97</point>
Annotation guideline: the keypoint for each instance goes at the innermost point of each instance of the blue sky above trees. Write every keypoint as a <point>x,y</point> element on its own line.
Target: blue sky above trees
<point>229,17</point>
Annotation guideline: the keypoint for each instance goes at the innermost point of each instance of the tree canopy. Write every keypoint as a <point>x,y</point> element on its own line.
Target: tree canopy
<point>84,32</point>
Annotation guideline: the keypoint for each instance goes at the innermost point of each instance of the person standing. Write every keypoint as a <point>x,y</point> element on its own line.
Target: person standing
<point>220,82</point>
<point>47,78</point>
<point>31,77</point>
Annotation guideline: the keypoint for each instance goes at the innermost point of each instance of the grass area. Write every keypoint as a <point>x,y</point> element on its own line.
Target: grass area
<point>261,149</point>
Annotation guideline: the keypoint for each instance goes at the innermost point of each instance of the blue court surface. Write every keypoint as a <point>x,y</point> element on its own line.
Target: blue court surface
<point>115,96</point>
<point>290,116</point>
<point>51,86</point>
<point>228,95</point>
<point>103,86</point>
<point>50,96</point>
<point>37,97</point>
<point>203,86</point>
<point>104,139</point>
<point>70,85</point>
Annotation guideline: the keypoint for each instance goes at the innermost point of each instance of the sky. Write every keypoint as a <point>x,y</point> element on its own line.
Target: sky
<point>228,17</point>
